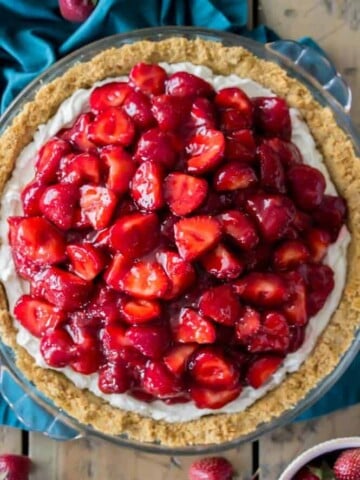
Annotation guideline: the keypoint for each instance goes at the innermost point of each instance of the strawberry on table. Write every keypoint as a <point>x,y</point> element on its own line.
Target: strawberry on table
<point>211,468</point>
<point>14,467</point>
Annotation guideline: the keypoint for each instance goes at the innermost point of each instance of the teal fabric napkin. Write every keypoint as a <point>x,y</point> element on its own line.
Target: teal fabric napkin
<point>33,36</point>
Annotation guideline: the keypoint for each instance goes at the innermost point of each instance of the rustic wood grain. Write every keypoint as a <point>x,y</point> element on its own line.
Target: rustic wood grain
<point>280,447</point>
<point>95,459</point>
<point>333,24</point>
<point>10,440</point>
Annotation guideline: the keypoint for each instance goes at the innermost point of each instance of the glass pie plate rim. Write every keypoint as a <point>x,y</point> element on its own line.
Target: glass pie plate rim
<point>290,56</point>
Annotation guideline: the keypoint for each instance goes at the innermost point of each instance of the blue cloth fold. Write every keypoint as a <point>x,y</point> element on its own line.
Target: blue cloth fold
<point>33,35</point>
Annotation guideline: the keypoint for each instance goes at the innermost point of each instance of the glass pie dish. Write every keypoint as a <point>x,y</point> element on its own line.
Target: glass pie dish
<point>326,86</point>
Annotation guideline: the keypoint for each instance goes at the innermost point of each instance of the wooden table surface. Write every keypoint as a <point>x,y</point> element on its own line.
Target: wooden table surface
<point>335,25</point>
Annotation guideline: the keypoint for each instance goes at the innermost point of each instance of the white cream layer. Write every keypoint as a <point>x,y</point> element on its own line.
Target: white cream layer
<point>15,287</point>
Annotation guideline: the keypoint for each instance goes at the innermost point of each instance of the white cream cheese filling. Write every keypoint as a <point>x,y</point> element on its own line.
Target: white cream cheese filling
<point>15,287</point>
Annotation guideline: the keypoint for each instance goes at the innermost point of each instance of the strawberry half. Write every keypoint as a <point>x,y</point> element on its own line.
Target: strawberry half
<point>157,147</point>
<point>170,112</point>
<point>37,316</point>
<point>135,235</point>
<point>233,97</point>
<point>183,84</point>
<point>97,205</point>
<point>290,254</point>
<point>150,340</point>
<point>138,106</point>
<point>318,241</point>
<point>149,78</point>
<point>138,310</point>
<point>233,176</point>
<point>30,198</point>
<point>184,193</point>
<point>86,260</point>
<point>307,186</point>
<point>221,305</point>
<point>190,327</point>
<point>178,357</point>
<point>146,186</point>
<point>159,381</point>
<point>273,335</point>
<point>272,117</point>
<point>58,203</point>
<point>207,398</point>
<point>205,150</point>
<point>196,235</point>
<point>240,146</point>
<point>272,176</point>
<point>146,280</point>
<point>48,160</point>
<point>209,368</point>
<point>112,94</point>
<point>262,289</point>
<point>80,169</point>
<point>37,240</point>
<point>121,168</point>
<point>114,275</point>
<point>238,226</point>
<point>222,263</point>
<point>260,370</point>
<point>248,324</point>
<point>114,377</point>
<point>180,272</point>
<point>113,339</point>
<point>78,134</point>
<point>112,126</point>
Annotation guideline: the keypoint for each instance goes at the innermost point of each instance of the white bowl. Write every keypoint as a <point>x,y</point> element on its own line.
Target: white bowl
<point>316,451</point>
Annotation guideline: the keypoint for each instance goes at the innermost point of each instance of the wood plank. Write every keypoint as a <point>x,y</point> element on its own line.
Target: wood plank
<point>92,459</point>
<point>10,440</point>
<point>279,448</point>
<point>338,35</point>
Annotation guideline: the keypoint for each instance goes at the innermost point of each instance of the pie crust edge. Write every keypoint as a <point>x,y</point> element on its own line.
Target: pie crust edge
<point>344,168</point>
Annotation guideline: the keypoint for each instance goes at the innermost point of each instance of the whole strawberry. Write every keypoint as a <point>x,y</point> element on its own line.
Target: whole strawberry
<point>14,467</point>
<point>76,10</point>
<point>307,473</point>
<point>347,465</point>
<point>211,468</point>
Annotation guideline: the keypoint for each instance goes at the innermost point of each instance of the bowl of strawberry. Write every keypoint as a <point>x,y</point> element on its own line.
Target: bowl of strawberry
<point>337,459</point>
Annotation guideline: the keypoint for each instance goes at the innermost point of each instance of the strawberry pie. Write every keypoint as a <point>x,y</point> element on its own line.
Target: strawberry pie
<point>175,242</point>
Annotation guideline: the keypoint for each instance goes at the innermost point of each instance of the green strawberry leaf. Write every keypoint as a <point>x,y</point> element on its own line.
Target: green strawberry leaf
<point>324,472</point>
<point>94,2</point>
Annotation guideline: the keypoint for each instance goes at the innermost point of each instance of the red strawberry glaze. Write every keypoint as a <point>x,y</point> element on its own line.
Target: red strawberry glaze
<point>174,240</point>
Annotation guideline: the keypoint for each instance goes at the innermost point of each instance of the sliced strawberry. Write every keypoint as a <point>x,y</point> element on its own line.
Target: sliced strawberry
<point>331,214</point>
<point>184,193</point>
<point>156,146</point>
<point>205,150</point>
<point>88,348</point>
<point>159,381</point>
<point>57,348</point>
<point>240,146</point>
<point>192,327</point>
<point>272,117</point>
<point>24,267</point>
<point>148,77</point>
<point>178,357</point>
<point>30,198</point>
<point>232,120</point>
<point>262,369</point>
<point>287,152</point>
<point>170,112</point>
<point>37,240</point>
<point>183,84</point>
<point>37,316</point>
<point>295,308</point>
<point>273,213</point>
<point>98,205</point>
<point>112,126</point>
<point>297,337</point>
<point>262,289</point>
<point>202,114</point>
<point>64,289</point>
<point>121,168</point>
<point>80,169</point>
<point>150,340</point>
<point>112,94</point>
<point>207,398</point>
<point>319,281</point>
<point>318,241</point>
<point>14,467</point>
<point>290,254</point>
<point>146,186</point>
<point>113,339</point>
<point>307,185</point>
<point>49,158</point>
<point>221,305</point>
<point>259,258</point>
<point>146,280</point>
<point>180,272</point>
<point>234,175</point>
<point>86,260</point>
<point>196,235</point>
<point>248,324</point>
<point>138,106</point>
<point>137,310</point>
<point>105,305</point>
<point>273,336</point>
<point>272,174</point>
<point>58,203</point>
<point>114,378</point>
<point>209,368</point>
<point>234,97</point>
<point>239,228</point>
<point>134,360</point>
<point>134,235</point>
<point>222,263</point>
<point>116,271</point>
<point>77,135</point>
